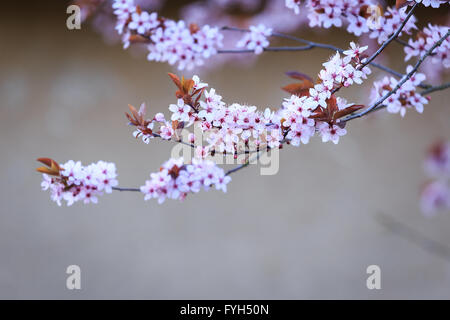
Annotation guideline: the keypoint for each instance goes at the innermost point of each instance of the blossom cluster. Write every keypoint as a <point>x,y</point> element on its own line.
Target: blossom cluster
<point>175,180</point>
<point>425,40</point>
<point>320,110</point>
<point>391,20</point>
<point>345,70</point>
<point>233,128</point>
<point>406,97</point>
<point>432,3</point>
<point>360,16</point>
<point>436,193</point>
<point>167,40</point>
<point>256,39</point>
<point>74,182</point>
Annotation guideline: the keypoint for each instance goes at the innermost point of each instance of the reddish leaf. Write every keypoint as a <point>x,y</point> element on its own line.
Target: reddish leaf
<point>135,38</point>
<point>188,85</point>
<point>400,3</point>
<point>332,105</point>
<point>347,111</point>
<point>46,161</point>
<point>175,125</point>
<point>134,112</point>
<point>299,76</point>
<point>138,9</point>
<point>321,115</point>
<point>193,28</point>
<point>174,171</point>
<point>176,80</point>
<point>299,89</point>
<point>52,168</point>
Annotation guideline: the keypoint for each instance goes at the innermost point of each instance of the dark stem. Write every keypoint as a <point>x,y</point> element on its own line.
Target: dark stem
<point>436,88</point>
<point>126,189</point>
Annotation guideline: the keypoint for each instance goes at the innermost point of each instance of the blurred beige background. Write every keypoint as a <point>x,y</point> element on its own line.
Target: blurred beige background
<point>308,232</point>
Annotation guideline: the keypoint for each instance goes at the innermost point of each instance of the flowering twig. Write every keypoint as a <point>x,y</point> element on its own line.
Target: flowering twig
<point>384,45</point>
<point>312,108</point>
<point>401,82</point>
<point>311,45</point>
<point>391,38</point>
<point>376,106</point>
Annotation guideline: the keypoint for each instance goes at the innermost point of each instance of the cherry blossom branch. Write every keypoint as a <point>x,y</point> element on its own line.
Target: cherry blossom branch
<point>376,106</point>
<point>424,92</point>
<point>383,46</point>
<point>400,83</point>
<point>311,45</point>
<point>391,38</point>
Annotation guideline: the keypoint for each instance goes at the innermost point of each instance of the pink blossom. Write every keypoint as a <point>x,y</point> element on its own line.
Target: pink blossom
<point>331,132</point>
<point>166,132</point>
<point>143,22</point>
<point>256,39</point>
<point>404,98</point>
<point>180,111</point>
<point>80,183</point>
<point>432,3</point>
<point>435,196</point>
<point>294,5</point>
<point>429,36</point>
<point>175,180</point>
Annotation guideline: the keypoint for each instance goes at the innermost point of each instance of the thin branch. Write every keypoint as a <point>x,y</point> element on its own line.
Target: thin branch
<point>436,88</point>
<point>403,43</point>
<point>273,49</point>
<point>413,236</point>
<point>400,83</point>
<point>126,189</point>
<point>393,72</point>
<point>176,141</point>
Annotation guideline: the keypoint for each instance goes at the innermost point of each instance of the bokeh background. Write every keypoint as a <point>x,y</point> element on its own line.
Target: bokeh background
<point>309,231</point>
